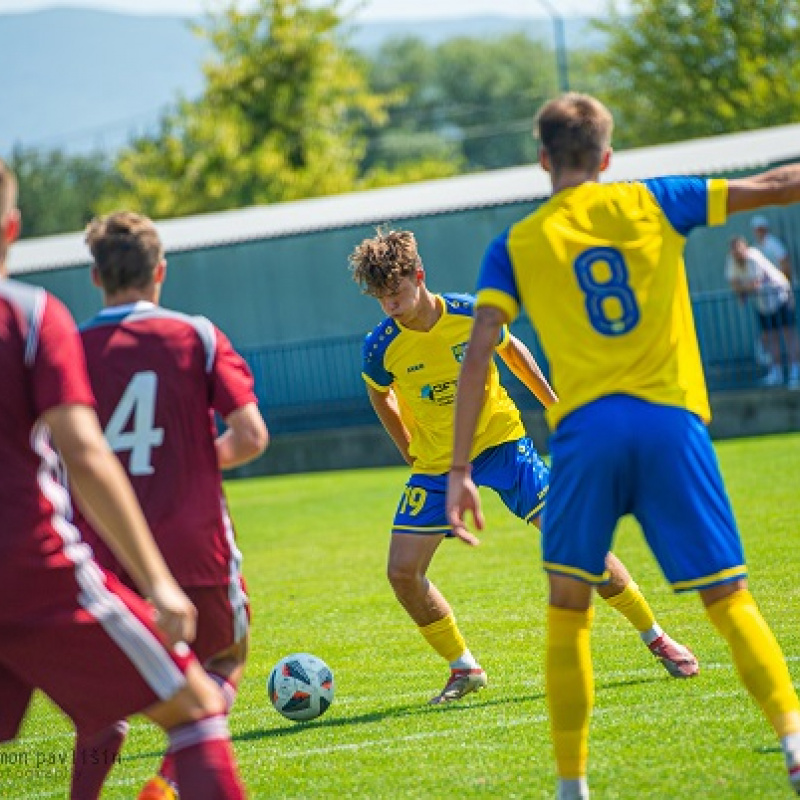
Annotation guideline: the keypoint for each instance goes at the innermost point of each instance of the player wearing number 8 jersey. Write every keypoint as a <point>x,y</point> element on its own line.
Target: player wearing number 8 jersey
<point>599,269</point>
<point>411,364</point>
<point>159,377</point>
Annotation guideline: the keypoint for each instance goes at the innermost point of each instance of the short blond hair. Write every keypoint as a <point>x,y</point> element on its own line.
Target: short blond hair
<point>575,130</point>
<point>379,264</point>
<point>126,249</point>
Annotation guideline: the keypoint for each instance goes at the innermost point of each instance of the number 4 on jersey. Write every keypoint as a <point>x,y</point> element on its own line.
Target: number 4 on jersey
<point>131,426</point>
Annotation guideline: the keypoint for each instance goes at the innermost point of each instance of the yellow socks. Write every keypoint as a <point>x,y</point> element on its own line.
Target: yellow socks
<point>445,638</point>
<point>758,658</point>
<point>570,687</point>
<point>631,603</point>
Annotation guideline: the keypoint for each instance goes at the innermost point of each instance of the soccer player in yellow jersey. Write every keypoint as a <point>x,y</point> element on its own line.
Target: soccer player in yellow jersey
<point>411,365</point>
<point>599,269</point>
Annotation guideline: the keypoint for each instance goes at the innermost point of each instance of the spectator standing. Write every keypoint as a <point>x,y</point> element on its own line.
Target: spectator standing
<point>751,274</point>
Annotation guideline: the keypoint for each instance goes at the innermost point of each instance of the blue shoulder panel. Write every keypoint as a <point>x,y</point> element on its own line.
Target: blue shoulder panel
<point>461,304</point>
<point>684,201</point>
<point>375,349</point>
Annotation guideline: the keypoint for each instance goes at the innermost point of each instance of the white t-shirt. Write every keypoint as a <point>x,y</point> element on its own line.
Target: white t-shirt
<point>772,247</point>
<point>771,285</point>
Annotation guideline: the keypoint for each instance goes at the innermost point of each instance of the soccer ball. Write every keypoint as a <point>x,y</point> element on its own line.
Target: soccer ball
<point>300,687</point>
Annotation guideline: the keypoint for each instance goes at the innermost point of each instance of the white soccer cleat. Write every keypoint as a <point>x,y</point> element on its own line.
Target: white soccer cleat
<point>461,682</point>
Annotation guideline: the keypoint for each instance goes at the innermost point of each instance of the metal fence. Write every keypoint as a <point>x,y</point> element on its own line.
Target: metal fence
<point>316,385</point>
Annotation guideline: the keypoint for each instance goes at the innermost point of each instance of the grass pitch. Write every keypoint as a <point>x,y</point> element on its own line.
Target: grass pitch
<point>315,549</point>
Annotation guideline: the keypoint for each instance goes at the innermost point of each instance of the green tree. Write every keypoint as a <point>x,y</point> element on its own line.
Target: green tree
<point>677,70</point>
<point>58,192</point>
<point>282,117</point>
<point>466,99</point>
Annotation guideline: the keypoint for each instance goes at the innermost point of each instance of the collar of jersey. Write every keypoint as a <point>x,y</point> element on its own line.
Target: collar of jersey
<point>126,308</point>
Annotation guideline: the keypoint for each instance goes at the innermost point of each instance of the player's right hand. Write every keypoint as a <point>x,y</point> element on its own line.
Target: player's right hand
<point>462,496</point>
<point>175,613</point>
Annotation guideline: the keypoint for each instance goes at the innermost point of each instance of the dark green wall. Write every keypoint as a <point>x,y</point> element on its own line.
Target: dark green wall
<point>298,288</point>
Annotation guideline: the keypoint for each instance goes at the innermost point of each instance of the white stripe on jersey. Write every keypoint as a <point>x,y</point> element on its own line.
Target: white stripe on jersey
<point>143,648</point>
<point>237,596</point>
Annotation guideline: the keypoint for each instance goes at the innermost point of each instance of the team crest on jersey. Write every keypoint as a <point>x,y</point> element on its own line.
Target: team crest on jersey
<point>459,351</point>
<point>443,394</point>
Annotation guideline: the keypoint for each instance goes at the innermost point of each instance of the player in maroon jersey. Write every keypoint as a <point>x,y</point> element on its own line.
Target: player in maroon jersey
<point>159,376</point>
<point>67,627</point>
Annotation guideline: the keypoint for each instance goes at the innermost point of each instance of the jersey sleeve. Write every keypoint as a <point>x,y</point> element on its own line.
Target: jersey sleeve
<point>58,365</point>
<point>373,370</point>
<point>497,285</point>
<point>690,202</point>
<point>231,380</point>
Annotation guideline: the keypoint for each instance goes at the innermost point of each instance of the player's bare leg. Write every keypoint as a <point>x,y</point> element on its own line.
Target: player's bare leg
<point>409,558</point>
<point>623,594</point>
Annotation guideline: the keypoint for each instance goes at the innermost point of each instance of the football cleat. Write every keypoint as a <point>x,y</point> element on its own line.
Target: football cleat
<point>461,682</point>
<point>793,764</point>
<point>794,778</point>
<point>158,788</point>
<point>677,659</point>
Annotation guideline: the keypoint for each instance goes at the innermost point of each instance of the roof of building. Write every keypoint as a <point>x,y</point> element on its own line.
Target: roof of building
<point>709,156</point>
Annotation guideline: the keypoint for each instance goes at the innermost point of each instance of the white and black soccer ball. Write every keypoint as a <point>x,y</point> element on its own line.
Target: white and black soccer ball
<point>300,687</point>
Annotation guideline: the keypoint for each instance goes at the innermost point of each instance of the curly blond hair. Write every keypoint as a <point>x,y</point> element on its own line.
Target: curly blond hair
<point>379,264</point>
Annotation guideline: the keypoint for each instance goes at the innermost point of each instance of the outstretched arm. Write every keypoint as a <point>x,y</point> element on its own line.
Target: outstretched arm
<point>519,359</point>
<point>388,411</point>
<point>462,494</point>
<point>775,187</point>
<point>106,497</point>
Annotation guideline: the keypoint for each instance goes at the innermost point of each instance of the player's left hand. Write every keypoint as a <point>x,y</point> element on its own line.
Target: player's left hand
<point>462,496</point>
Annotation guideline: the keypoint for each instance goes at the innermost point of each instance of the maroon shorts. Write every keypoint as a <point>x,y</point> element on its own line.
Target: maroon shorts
<point>95,652</point>
<point>223,617</point>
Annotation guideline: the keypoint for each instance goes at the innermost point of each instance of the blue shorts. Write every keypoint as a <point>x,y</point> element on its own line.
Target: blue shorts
<point>621,455</point>
<point>514,470</point>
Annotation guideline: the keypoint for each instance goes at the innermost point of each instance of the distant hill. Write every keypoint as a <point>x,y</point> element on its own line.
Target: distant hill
<point>79,79</point>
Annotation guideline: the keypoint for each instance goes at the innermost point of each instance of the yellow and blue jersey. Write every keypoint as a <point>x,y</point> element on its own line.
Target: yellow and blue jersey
<point>599,269</point>
<point>423,367</point>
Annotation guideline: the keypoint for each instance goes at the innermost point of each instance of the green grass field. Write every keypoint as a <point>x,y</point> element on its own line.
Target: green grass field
<point>315,549</point>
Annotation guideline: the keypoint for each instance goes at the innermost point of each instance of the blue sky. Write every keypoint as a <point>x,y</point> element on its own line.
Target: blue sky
<point>372,9</point>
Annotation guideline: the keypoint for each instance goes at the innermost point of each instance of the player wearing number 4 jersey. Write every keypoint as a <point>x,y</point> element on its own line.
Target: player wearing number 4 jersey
<point>159,377</point>
<point>599,269</point>
<point>411,365</point>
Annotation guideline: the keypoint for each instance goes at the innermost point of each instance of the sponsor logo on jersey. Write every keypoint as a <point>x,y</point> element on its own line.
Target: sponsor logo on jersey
<point>443,394</point>
<point>415,368</point>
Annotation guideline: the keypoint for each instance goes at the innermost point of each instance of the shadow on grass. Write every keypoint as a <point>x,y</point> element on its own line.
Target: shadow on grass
<point>397,712</point>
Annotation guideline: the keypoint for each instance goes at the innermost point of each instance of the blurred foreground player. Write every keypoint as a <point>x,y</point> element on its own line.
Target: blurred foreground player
<point>66,627</point>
